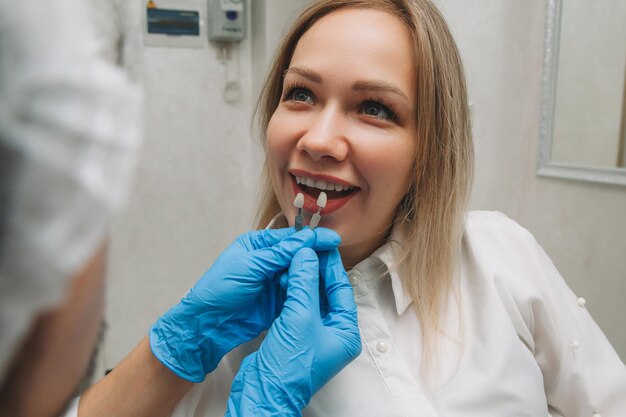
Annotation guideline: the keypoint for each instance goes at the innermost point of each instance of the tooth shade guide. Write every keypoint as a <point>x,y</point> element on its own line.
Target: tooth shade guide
<point>321,203</point>
<point>298,202</point>
<point>322,200</point>
<point>315,220</point>
<point>298,223</point>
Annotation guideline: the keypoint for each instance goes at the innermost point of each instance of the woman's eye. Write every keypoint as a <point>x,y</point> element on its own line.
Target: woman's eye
<point>300,94</point>
<point>377,110</point>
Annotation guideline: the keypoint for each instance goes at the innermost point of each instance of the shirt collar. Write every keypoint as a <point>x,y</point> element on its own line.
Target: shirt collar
<point>387,254</point>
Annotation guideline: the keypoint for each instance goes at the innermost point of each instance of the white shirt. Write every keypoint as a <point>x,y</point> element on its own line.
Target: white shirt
<point>517,343</point>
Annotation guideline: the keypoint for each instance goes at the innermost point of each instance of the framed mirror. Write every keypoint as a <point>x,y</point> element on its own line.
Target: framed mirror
<point>583,105</point>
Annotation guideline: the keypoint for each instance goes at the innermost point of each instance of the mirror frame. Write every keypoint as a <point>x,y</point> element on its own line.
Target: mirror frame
<point>545,166</point>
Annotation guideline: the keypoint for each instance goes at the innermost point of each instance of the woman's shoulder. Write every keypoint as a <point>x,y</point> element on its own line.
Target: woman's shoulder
<point>500,248</point>
<point>486,225</point>
<point>500,254</point>
<point>503,259</point>
<point>493,232</point>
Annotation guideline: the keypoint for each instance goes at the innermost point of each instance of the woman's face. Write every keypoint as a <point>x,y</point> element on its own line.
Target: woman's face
<point>346,124</point>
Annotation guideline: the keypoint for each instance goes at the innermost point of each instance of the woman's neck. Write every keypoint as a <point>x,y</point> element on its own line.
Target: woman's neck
<point>353,253</point>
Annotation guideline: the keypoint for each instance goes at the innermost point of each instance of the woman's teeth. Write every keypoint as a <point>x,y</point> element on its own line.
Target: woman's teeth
<point>322,185</point>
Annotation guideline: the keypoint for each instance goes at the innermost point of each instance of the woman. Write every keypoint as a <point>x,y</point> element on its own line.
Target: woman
<point>459,314</point>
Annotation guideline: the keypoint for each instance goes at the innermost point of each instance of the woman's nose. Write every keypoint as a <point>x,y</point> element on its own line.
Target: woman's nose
<point>325,137</point>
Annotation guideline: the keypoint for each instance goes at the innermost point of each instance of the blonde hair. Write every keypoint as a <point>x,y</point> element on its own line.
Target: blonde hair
<point>432,213</point>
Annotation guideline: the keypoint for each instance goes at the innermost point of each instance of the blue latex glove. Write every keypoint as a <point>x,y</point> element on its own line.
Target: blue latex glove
<point>302,350</point>
<point>233,302</point>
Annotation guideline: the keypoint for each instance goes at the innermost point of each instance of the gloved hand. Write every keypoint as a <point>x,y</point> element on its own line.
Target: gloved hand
<point>233,302</point>
<point>302,350</point>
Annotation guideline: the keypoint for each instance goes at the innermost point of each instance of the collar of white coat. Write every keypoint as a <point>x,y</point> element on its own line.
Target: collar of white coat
<point>386,254</point>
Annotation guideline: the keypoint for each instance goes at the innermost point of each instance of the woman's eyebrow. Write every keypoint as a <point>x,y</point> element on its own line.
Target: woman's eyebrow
<point>379,86</point>
<point>365,85</point>
<point>304,73</point>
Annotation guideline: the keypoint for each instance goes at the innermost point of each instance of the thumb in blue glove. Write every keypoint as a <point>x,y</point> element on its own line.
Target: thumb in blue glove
<point>233,302</point>
<point>302,350</point>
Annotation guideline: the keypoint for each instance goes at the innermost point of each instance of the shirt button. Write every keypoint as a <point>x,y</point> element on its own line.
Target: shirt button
<point>581,302</point>
<point>381,347</point>
<point>596,415</point>
<point>575,344</point>
<point>354,278</point>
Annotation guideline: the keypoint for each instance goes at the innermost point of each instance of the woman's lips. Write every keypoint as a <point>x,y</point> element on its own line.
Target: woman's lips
<point>310,202</point>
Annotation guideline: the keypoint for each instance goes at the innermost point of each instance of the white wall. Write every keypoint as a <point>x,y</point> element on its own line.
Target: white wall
<point>581,226</point>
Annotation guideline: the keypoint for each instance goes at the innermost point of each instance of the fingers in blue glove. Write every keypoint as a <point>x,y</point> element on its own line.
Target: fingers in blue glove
<point>303,283</point>
<point>259,239</point>
<point>284,279</point>
<point>342,310</point>
<point>338,290</point>
<point>278,257</point>
<point>325,239</point>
